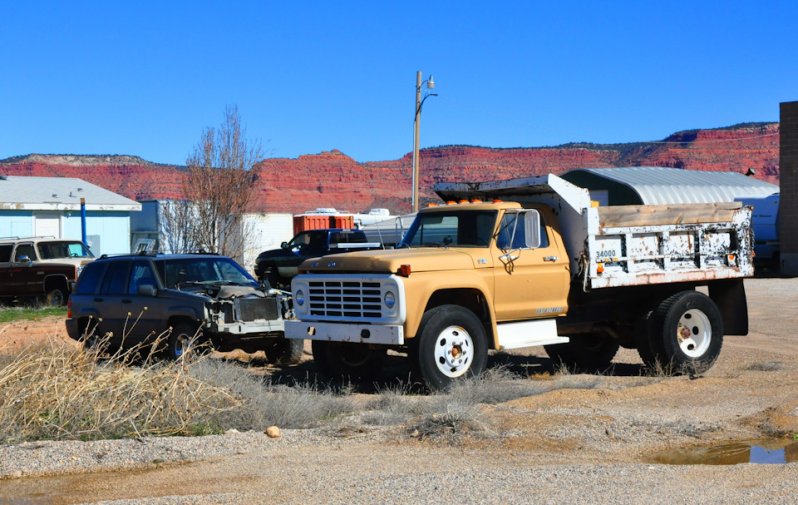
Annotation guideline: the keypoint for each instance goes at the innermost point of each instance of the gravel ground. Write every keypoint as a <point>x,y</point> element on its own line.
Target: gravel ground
<point>590,440</point>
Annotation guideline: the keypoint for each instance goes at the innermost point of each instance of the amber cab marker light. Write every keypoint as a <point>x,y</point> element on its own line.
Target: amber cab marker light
<point>450,202</point>
<point>496,200</point>
<point>464,200</point>
<point>404,270</point>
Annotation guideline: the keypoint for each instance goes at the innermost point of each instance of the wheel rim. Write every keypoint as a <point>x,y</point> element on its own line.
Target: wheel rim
<point>454,351</point>
<point>181,345</point>
<point>56,297</point>
<point>694,333</point>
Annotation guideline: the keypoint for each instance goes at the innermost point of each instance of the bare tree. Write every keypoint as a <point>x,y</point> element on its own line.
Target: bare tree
<point>216,191</point>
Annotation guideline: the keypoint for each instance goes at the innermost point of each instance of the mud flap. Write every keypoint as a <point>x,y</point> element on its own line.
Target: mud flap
<point>729,296</point>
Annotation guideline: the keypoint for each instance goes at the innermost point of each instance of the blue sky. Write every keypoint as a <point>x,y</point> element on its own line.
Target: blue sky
<point>145,78</point>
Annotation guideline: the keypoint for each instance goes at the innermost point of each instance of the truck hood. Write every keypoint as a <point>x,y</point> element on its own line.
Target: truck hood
<point>420,260</point>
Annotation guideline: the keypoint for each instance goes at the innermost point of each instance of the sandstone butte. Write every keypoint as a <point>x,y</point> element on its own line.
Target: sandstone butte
<point>332,179</point>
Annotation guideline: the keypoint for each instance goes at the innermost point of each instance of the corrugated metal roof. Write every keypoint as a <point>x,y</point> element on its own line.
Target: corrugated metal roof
<point>662,185</point>
<point>59,193</point>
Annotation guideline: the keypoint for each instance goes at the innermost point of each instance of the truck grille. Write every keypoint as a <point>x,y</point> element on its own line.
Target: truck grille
<point>356,299</point>
<point>252,309</point>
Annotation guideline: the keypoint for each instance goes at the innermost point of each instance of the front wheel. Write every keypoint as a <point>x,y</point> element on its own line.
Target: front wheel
<point>685,334</point>
<point>284,351</point>
<point>55,297</point>
<point>183,340</point>
<point>451,345</point>
<point>345,360</point>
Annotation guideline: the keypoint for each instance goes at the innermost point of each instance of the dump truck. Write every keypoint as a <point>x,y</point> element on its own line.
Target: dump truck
<point>532,262</point>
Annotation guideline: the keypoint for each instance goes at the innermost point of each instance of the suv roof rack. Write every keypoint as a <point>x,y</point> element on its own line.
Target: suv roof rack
<point>26,238</point>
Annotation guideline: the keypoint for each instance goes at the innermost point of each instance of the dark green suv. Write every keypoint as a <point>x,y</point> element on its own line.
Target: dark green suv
<point>177,299</point>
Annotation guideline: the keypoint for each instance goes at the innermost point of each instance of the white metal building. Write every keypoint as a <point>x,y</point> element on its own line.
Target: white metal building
<point>259,231</point>
<point>50,206</point>
<point>662,185</point>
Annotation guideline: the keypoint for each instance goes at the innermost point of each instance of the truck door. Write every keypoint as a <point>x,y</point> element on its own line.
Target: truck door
<point>5,269</point>
<point>531,277</point>
<point>25,280</point>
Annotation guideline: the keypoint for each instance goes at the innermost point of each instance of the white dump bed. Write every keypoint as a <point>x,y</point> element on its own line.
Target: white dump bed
<point>632,244</point>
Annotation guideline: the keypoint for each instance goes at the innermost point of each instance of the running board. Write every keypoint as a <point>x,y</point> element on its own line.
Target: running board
<point>529,334</point>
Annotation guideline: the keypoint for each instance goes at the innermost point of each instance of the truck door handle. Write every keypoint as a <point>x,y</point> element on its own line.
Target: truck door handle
<point>98,299</point>
<point>127,301</point>
<point>550,258</point>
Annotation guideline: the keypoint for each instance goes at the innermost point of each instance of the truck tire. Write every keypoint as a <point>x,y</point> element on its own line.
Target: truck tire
<point>184,339</point>
<point>685,334</point>
<point>284,351</point>
<point>593,352</point>
<point>348,361</point>
<point>55,297</point>
<point>451,345</point>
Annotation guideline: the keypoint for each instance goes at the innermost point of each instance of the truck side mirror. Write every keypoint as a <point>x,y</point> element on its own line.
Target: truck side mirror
<point>147,290</point>
<point>532,229</point>
<point>284,245</point>
<point>23,259</point>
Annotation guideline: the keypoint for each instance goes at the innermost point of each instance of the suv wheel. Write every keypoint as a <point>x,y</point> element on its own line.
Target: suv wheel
<point>183,341</point>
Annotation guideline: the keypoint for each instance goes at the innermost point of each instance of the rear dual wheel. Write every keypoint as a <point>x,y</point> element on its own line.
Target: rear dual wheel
<point>683,335</point>
<point>589,352</point>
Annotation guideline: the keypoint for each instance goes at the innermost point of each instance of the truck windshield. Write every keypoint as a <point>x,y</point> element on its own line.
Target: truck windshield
<point>53,250</point>
<point>199,271</point>
<point>458,228</point>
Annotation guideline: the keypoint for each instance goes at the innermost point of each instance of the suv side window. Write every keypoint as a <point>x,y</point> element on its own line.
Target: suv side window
<point>90,279</point>
<point>141,274</point>
<point>5,253</point>
<point>115,280</point>
<point>25,250</point>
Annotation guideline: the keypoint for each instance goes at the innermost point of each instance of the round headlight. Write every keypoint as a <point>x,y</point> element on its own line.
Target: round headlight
<point>299,298</point>
<point>390,299</point>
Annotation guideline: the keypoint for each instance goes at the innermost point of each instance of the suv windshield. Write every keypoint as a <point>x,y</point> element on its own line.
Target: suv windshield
<point>63,249</point>
<point>202,271</point>
<point>458,228</point>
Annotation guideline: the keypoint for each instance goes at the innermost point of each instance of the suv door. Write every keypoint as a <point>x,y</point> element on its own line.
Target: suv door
<point>148,318</point>
<point>109,302</point>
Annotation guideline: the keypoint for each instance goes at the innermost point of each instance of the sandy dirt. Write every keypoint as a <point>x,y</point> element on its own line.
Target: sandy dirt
<point>572,445</point>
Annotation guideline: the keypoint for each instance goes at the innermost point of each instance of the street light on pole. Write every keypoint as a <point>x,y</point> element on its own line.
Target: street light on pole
<point>416,125</point>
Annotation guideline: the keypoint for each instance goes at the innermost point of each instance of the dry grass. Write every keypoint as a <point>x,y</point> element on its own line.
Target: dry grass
<point>58,391</point>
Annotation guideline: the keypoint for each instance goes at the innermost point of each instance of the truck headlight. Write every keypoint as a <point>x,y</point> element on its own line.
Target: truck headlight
<point>389,299</point>
<point>299,298</point>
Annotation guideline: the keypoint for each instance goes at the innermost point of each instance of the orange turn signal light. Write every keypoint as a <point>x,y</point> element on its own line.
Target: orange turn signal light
<point>404,270</point>
<point>600,268</point>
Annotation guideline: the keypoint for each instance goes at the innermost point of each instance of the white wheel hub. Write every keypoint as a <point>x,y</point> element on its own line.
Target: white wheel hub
<point>454,351</point>
<point>694,333</point>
